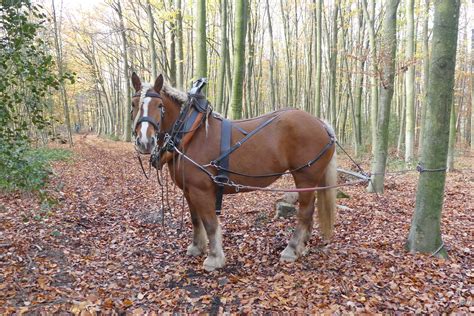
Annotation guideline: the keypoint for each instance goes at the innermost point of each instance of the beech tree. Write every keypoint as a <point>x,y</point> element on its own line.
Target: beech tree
<point>425,230</point>
<point>239,54</point>
<point>388,53</point>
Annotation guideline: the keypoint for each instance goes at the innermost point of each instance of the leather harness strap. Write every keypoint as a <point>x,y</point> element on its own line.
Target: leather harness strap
<point>226,135</point>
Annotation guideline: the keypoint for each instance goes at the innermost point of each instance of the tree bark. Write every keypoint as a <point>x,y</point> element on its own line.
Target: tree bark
<point>200,41</point>
<point>127,123</point>
<point>271,83</point>
<point>239,55</point>
<point>223,51</point>
<point>318,56</point>
<point>410,84</point>
<point>374,71</point>
<point>59,61</point>
<point>151,41</point>
<point>426,71</point>
<point>179,42</point>
<point>388,55</point>
<point>425,230</point>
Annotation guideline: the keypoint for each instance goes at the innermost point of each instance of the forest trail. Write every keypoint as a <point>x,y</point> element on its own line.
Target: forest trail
<point>98,244</point>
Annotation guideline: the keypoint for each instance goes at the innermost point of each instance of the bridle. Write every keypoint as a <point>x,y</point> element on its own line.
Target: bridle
<point>150,119</point>
<point>156,126</point>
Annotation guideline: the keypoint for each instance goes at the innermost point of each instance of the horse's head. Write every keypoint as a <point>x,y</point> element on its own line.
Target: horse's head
<point>147,113</point>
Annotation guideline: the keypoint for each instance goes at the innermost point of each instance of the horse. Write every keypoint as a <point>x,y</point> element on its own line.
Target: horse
<point>288,144</point>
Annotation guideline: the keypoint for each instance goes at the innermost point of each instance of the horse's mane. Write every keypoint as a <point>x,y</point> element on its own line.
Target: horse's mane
<point>175,94</point>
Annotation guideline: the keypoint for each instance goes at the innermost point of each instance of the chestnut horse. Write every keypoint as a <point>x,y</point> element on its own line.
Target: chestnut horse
<point>292,139</point>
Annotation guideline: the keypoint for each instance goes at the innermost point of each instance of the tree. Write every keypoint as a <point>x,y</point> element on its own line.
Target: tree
<point>29,80</point>
<point>410,84</point>
<point>60,65</point>
<point>388,54</point>
<point>318,57</point>
<point>223,52</point>
<point>127,122</point>
<point>425,230</point>
<point>374,71</point>
<point>239,55</point>
<point>200,42</point>
<point>426,70</point>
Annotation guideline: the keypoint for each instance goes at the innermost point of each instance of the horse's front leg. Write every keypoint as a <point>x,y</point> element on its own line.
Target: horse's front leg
<point>204,207</point>
<point>199,243</point>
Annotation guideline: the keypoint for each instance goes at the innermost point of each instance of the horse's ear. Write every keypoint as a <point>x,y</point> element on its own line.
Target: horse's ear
<point>158,83</point>
<point>136,82</point>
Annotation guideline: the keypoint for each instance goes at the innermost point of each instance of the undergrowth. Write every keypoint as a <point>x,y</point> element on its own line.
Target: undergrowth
<point>28,169</point>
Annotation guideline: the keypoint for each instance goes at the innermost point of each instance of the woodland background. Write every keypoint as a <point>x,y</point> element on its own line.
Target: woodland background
<point>102,42</point>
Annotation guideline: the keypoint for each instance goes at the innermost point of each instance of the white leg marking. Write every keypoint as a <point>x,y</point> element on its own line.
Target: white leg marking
<point>199,243</point>
<point>216,257</point>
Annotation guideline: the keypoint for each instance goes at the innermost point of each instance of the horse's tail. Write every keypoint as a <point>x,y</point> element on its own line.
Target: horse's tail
<point>327,200</point>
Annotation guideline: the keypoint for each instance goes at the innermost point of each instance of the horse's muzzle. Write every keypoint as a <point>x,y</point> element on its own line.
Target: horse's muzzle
<point>145,147</point>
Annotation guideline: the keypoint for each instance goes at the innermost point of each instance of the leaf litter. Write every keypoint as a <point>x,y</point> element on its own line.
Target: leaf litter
<point>101,248</point>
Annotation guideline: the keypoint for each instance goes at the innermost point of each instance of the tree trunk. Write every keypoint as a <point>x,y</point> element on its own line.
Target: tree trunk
<point>151,41</point>
<point>59,61</point>
<point>425,231</point>
<point>332,115</point>
<point>388,55</point>
<point>179,42</point>
<point>127,123</point>
<point>374,71</point>
<point>239,55</point>
<point>410,84</point>
<point>223,51</point>
<point>318,56</point>
<point>271,83</point>
<point>200,41</point>
<point>426,71</point>
<point>452,138</point>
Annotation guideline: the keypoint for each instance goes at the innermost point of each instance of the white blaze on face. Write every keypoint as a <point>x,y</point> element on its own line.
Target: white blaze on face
<point>144,125</point>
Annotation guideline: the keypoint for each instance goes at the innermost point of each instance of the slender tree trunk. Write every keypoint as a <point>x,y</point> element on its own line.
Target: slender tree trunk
<point>59,61</point>
<point>374,70</point>
<point>410,84</point>
<point>426,71</point>
<point>425,231</point>
<point>223,51</point>
<point>472,104</point>
<point>451,138</point>
<point>151,41</point>
<point>239,55</point>
<point>333,65</point>
<point>388,56</point>
<point>127,123</point>
<point>271,83</point>
<point>318,56</point>
<point>179,42</point>
<point>200,41</point>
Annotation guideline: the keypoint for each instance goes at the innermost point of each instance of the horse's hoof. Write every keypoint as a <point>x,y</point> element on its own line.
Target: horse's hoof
<point>288,255</point>
<point>212,263</point>
<point>194,251</point>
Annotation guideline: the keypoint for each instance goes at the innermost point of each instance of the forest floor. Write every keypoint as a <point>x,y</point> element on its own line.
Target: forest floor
<point>95,242</point>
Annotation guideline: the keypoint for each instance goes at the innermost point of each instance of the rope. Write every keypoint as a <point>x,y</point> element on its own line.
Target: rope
<point>422,169</point>
<point>439,249</point>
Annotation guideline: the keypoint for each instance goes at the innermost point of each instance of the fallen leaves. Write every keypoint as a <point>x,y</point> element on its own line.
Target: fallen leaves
<point>103,248</point>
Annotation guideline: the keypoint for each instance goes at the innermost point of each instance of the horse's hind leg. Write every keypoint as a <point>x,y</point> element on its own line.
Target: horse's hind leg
<point>203,203</point>
<point>296,246</point>
<point>199,243</point>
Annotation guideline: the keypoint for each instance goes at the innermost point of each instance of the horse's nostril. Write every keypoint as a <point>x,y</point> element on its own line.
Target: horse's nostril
<point>137,141</point>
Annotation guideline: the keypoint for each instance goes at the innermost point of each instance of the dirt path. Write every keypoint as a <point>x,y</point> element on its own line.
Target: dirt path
<point>102,247</point>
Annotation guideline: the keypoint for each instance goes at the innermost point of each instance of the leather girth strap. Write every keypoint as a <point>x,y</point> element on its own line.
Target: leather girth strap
<point>226,135</point>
